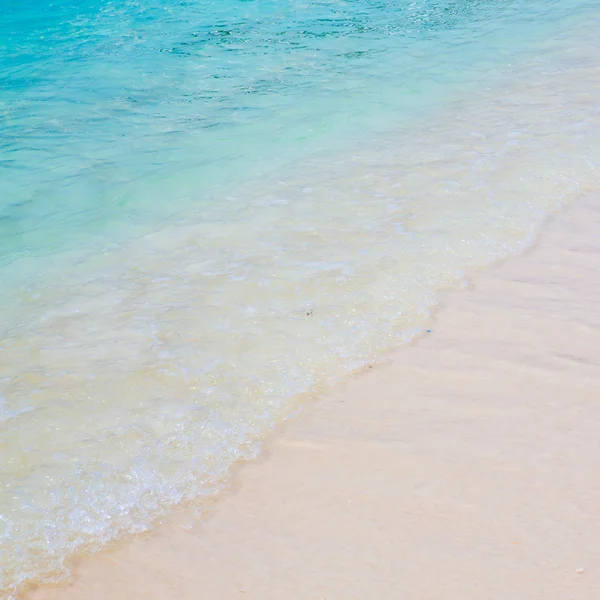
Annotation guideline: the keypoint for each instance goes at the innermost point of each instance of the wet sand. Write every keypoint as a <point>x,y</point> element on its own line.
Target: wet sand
<point>464,467</point>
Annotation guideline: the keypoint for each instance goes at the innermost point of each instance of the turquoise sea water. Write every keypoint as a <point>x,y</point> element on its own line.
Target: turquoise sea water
<point>209,209</point>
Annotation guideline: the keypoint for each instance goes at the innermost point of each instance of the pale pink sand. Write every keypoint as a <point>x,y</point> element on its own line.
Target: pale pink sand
<point>466,468</point>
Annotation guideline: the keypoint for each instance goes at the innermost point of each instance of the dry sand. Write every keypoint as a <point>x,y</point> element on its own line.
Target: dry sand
<point>466,468</point>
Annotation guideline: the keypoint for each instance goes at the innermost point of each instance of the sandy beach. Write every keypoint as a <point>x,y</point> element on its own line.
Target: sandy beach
<point>465,466</point>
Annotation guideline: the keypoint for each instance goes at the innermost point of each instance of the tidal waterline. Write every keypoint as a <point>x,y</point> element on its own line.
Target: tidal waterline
<point>210,210</point>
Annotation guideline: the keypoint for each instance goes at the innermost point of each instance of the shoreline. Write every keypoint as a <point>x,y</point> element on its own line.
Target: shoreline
<point>465,466</point>
<point>140,376</point>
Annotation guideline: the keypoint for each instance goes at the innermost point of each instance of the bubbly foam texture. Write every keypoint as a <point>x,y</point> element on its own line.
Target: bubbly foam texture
<point>133,382</point>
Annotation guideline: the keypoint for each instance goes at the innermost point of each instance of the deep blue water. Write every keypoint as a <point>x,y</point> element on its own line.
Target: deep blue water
<point>115,113</point>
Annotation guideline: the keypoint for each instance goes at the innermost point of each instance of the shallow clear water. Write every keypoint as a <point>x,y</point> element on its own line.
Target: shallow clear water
<point>208,210</point>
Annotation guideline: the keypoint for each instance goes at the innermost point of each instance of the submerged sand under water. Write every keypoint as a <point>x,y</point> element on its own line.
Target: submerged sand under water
<point>464,466</point>
<point>133,384</point>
